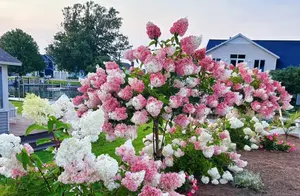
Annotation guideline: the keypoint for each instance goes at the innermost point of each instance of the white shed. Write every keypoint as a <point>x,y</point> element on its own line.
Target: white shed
<point>5,61</point>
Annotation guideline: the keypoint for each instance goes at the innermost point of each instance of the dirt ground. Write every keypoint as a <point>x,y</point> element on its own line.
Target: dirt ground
<point>280,172</point>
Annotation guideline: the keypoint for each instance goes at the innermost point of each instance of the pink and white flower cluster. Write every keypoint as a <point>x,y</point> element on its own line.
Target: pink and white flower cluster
<point>144,171</point>
<point>10,146</point>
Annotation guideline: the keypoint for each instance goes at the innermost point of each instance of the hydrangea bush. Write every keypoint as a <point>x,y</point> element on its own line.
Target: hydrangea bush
<point>173,91</point>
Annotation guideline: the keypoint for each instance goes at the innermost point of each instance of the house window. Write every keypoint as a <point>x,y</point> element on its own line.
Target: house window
<point>259,64</point>
<point>237,58</point>
<point>217,59</point>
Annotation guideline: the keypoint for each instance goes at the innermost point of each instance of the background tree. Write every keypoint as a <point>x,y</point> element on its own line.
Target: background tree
<point>90,36</point>
<point>21,45</point>
<point>289,77</point>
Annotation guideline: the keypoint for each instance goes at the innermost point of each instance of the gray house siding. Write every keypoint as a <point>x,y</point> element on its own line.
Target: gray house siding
<point>4,125</point>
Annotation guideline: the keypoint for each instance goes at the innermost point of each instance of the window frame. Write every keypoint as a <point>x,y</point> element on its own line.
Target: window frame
<point>237,58</point>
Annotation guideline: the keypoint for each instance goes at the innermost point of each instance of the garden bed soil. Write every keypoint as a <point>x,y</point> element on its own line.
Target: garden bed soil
<point>280,173</point>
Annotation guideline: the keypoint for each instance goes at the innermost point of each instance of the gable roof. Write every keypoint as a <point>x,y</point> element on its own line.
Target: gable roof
<point>244,37</point>
<point>287,50</point>
<point>7,59</point>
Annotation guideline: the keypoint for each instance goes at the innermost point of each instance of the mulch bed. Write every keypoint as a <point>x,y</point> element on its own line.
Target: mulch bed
<point>280,172</point>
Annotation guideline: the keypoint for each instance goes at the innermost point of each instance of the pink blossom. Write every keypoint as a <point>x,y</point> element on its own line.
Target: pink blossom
<point>132,181</point>
<point>120,130</point>
<point>154,106</point>
<point>201,111</point>
<point>110,105</point>
<point>270,137</point>
<point>153,64</point>
<point>224,135</point>
<point>200,54</point>
<point>107,127</point>
<point>118,114</point>
<point>171,181</point>
<point>220,89</point>
<point>28,148</point>
<point>185,67</point>
<point>175,101</point>
<point>182,120</point>
<point>136,84</point>
<point>141,53</point>
<point>212,100</point>
<point>129,55</point>
<point>207,64</point>
<point>111,87</point>
<point>169,65</point>
<point>125,93</point>
<point>172,130</point>
<point>15,173</point>
<point>77,100</point>
<point>140,117</point>
<point>111,65</point>
<point>153,31</point>
<point>222,109</point>
<point>256,106</point>
<point>237,86</point>
<point>157,79</point>
<point>190,44</point>
<point>150,191</point>
<point>232,98</point>
<point>180,27</point>
<point>188,108</point>
<point>217,150</point>
<point>138,102</point>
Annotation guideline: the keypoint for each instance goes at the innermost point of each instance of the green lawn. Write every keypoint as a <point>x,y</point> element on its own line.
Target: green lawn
<point>101,146</point>
<point>64,82</point>
<point>19,105</point>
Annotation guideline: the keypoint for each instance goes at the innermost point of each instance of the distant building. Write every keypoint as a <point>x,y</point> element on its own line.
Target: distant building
<point>262,54</point>
<point>5,61</point>
<point>51,68</point>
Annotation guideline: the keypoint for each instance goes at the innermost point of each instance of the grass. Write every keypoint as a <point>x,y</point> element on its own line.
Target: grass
<point>101,146</point>
<point>64,82</point>
<point>19,105</point>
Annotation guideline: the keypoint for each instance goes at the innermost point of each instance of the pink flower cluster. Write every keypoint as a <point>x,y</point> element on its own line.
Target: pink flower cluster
<point>153,31</point>
<point>144,170</point>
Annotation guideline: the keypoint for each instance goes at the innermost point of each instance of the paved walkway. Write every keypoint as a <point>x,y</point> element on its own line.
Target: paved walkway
<point>19,125</point>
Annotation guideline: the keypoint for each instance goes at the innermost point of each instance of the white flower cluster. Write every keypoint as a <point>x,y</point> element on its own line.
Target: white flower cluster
<point>64,109</point>
<point>81,165</point>
<point>9,147</point>
<point>235,123</point>
<point>37,109</point>
<point>89,125</point>
<point>147,140</point>
<point>216,178</point>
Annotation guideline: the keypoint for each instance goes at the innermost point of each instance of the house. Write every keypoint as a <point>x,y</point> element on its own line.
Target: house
<point>262,54</point>
<point>51,68</point>
<point>5,61</point>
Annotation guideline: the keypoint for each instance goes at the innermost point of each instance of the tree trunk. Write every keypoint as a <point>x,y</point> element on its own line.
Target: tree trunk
<point>156,149</point>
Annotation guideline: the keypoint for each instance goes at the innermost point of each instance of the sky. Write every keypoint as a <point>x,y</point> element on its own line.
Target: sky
<point>219,19</point>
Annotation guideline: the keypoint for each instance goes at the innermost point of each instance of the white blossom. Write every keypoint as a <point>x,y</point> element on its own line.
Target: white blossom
<point>89,125</point>
<point>247,148</point>
<point>167,150</point>
<point>215,182</point>
<point>235,123</point>
<point>214,173</point>
<point>227,176</point>
<point>205,179</point>
<point>208,151</point>
<point>254,146</point>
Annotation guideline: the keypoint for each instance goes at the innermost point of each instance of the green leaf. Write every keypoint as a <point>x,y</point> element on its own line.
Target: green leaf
<point>34,127</point>
<point>151,43</point>
<point>37,161</point>
<point>43,141</point>
<point>60,134</point>
<point>23,158</point>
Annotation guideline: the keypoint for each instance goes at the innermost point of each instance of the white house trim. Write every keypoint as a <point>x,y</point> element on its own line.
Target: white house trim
<point>244,37</point>
<point>10,63</point>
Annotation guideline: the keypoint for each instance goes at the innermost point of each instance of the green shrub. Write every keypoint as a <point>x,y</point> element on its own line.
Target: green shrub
<point>194,162</point>
<point>248,179</point>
